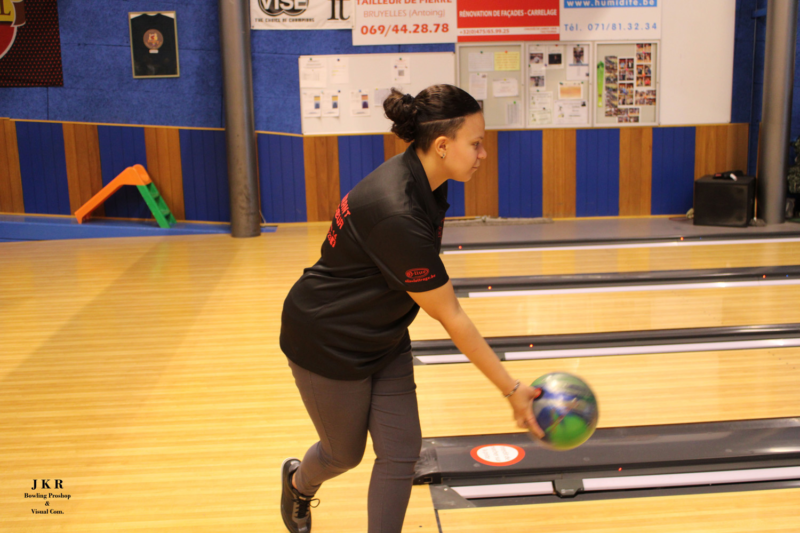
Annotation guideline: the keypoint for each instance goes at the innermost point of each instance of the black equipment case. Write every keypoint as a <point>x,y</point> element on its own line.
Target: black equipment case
<point>724,199</point>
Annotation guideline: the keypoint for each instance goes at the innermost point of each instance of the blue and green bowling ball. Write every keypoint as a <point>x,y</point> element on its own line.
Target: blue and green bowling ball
<point>566,410</point>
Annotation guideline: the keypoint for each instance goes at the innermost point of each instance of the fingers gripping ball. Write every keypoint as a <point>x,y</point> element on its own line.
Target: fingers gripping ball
<point>566,409</point>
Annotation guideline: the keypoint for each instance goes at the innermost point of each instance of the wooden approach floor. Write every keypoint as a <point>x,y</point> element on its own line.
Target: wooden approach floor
<point>145,373</point>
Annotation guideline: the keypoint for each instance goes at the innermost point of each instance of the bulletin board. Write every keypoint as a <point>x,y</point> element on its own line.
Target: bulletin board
<point>344,94</point>
<point>493,74</point>
<point>558,84</point>
<point>627,84</point>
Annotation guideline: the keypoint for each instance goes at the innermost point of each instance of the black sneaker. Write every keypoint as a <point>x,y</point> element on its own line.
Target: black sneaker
<point>295,507</point>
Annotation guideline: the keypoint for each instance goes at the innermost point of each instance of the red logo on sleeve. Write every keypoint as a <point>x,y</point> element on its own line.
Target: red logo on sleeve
<point>418,274</point>
<point>342,212</point>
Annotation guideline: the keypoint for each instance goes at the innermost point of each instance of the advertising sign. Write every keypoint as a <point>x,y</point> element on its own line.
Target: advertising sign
<point>404,22</point>
<point>301,14</point>
<point>605,20</point>
<point>508,20</point>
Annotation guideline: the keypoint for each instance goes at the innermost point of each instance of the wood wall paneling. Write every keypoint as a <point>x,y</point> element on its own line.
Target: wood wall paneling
<point>393,145</point>
<point>480,193</point>
<point>558,172</point>
<point>635,171</point>
<point>10,177</point>
<point>719,148</point>
<point>84,175</point>
<point>163,147</point>
<point>321,158</point>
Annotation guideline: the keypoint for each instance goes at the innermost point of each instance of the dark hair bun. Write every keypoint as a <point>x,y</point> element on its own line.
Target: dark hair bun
<point>435,111</point>
<point>399,108</point>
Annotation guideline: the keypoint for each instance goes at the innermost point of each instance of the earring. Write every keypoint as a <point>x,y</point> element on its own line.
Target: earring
<point>444,154</point>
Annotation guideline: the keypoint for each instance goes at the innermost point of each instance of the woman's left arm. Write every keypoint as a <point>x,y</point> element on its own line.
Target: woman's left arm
<point>442,305</point>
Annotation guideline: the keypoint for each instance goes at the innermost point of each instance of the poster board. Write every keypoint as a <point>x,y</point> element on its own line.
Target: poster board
<point>493,74</point>
<point>558,84</point>
<point>627,84</point>
<point>343,94</point>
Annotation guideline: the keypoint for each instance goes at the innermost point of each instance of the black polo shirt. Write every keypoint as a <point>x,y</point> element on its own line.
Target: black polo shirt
<point>348,315</point>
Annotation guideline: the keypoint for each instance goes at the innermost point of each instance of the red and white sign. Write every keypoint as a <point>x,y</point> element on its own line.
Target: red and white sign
<point>498,454</point>
<point>508,20</point>
<point>404,22</point>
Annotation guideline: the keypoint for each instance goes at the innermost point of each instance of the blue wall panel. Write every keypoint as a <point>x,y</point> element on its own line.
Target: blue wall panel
<point>205,175</point>
<point>597,173</point>
<point>743,66</point>
<point>358,156</point>
<point>43,167</point>
<point>120,148</point>
<point>673,170</point>
<point>103,90</point>
<point>519,156</point>
<point>455,197</point>
<point>282,178</point>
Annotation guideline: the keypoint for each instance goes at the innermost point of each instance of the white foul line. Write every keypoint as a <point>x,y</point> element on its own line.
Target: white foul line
<point>635,288</point>
<point>620,246</point>
<point>623,350</point>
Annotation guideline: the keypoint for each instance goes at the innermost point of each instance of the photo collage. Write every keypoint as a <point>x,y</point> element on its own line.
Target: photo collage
<point>627,84</point>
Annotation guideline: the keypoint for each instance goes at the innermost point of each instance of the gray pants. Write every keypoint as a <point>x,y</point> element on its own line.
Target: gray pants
<point>384,404</point>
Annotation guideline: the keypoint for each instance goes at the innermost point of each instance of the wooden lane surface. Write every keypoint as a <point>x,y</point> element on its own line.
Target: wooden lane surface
<point>146,374</point>
<point>639,390</point>
<point>741,512</point>
<point>620,260</point>
<point>622,311</point>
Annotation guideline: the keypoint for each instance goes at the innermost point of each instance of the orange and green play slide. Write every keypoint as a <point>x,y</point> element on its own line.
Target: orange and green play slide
<point>138,176</point>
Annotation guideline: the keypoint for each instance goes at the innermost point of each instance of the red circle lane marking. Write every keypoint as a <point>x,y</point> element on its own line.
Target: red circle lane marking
<point>498,454</point>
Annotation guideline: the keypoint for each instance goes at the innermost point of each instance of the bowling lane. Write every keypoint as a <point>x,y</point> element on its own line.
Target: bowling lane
<point>550,314</point>
<point>678,257</point>
<point>768,510</point>
<point>636,390</point>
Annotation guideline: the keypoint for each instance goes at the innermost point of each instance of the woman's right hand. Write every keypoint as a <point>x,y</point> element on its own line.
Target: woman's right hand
<point>522,404</point>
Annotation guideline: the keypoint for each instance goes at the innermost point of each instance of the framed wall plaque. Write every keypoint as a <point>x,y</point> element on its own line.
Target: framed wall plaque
<point>154,44</point>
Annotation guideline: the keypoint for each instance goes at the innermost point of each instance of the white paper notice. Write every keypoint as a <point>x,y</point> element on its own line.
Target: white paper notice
<point>311,103</point>
<point>541,107</point>
<point>537,60</point>
<point>330,103</point>
<point>480,62</point>
<point>401,70</point>
<point>570,90</point>
<point>578,62</point>
<point>505,87</point>
<point>571,112</point>
<point>512,114</point>
<point>340,70</point>
<point>478,85</point>
<point>313,72</point>
<point>380,96</point>
<point>359,103</point>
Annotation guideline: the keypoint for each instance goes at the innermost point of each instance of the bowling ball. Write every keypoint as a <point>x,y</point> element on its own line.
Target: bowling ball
<point>566,410</point>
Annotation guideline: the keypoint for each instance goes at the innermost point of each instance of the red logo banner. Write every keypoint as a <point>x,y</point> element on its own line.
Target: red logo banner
<point>508,20</point>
